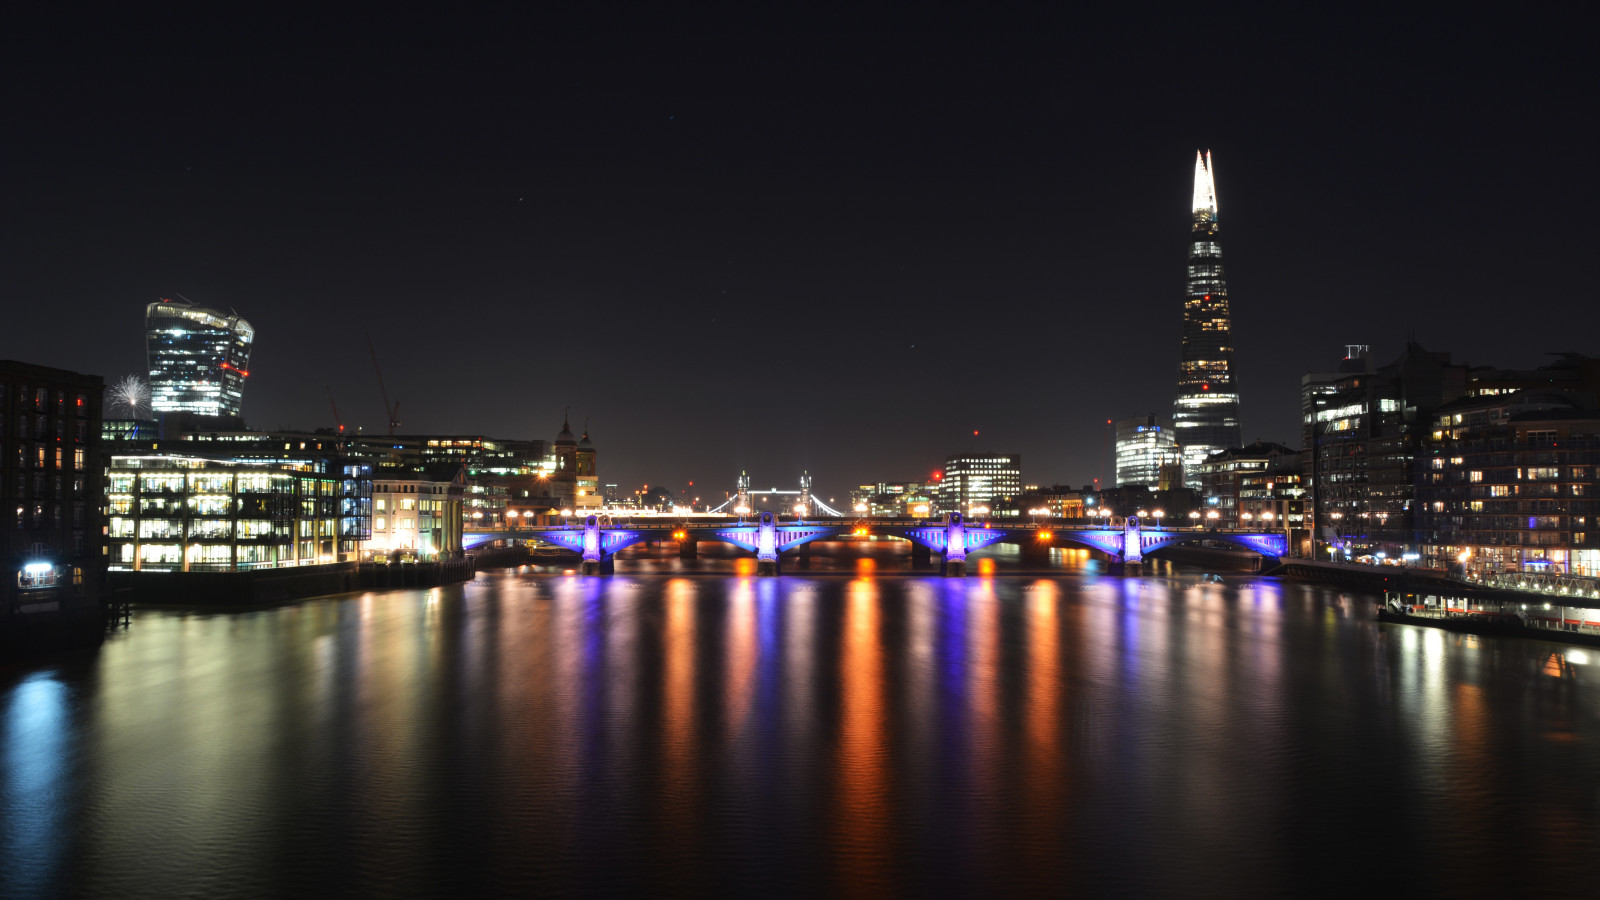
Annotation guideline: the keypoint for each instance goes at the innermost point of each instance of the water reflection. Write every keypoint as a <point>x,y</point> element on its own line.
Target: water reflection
<point>37,791</point>
<point>849,733</point>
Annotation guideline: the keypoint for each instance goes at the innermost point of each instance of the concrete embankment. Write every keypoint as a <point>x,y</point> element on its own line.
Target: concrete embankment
<point>265,587</point>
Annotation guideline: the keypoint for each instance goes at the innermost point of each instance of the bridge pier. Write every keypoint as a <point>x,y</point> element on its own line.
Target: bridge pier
<point>1037,552</point>
<point>955,547</point>
<point>921,556</point>
<point>607,566</point>
<point>767,545</point>
<point>688,548</point>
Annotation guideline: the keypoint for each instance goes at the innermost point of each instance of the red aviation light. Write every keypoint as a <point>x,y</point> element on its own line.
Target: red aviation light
<point>245,373</point>
<point>1205,387</point>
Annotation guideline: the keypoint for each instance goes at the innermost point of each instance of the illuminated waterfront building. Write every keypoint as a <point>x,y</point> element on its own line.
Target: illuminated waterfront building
<point>1206,412</point>
<point>1365,435</point>
<point>199,358</point>
<point>179,512</point>
<point>1222,478</point>
<point>1508,479</point>
<point>417,512</point>
<point>1144,446</point>
<point>891,499</point>
<point>981,484</point>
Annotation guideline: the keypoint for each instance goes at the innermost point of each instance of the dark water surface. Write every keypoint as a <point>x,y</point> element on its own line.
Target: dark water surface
<point>818,733</point>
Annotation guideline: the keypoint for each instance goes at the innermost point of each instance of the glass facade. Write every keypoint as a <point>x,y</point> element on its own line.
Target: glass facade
<point>169,513</point>
<point>199,358</point>
<point>1143,447</point>
<point>1206,412</point>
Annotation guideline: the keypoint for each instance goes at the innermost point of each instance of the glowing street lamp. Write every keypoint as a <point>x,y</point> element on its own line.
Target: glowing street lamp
<point>1194,515</point>
<point>1159,513</point>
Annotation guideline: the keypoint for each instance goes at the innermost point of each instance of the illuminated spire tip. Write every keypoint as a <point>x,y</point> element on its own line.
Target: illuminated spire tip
<point>1205,186</point>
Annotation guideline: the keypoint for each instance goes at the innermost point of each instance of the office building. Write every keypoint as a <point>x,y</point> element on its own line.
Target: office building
<point>193,505</point>
<point>199,359</point>
<point>1206,411</point>
<point>1364,443</point>
<point>417,512</point>
<point>986,484</point>
<point>1144,446</point>
<point>1223,478</point>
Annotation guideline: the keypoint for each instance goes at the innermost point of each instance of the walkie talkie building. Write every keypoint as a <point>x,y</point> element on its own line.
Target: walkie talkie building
<point>199,358</point>
<point>1206,413</point>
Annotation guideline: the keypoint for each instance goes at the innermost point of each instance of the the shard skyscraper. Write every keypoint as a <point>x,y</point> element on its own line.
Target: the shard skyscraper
<point>1206,413</point>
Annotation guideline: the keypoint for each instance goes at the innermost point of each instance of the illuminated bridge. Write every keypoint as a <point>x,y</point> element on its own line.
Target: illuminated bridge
<point>598,539</point>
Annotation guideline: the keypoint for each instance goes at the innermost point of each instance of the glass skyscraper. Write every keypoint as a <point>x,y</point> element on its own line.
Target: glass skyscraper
<point>199,358</point>
<point>1206,413</point>
<point>1144,446</point>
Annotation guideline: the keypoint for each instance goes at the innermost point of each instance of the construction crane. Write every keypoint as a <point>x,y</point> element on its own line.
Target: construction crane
<point>336,420</point>
<point>392,412</point>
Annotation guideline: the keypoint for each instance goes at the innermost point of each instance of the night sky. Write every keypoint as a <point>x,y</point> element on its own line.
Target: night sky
<point>805,241</point>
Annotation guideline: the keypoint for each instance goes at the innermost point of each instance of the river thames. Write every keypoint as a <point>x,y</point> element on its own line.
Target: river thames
<point>846,730</point>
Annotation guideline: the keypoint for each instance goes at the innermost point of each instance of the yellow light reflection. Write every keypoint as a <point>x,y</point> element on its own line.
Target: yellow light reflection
<point>678,724</point>
<point>986,566</point>
<point>1045,755</point>
<point>861,794</point>
<point>744,566</point>
<point>866,566</point>
<point>741,657</point>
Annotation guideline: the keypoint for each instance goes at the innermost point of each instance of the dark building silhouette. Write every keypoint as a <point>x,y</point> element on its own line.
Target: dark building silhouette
<point>52,558</point>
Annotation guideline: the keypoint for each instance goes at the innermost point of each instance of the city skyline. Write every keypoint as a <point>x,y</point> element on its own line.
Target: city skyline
<point>654,226</point>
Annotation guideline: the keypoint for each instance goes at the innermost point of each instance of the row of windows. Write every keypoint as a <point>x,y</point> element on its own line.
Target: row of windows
<point>47,515</point>
<point>38,398</point>
<point>42,427</point>
<point>41,457</point>
<point>45,486</point>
